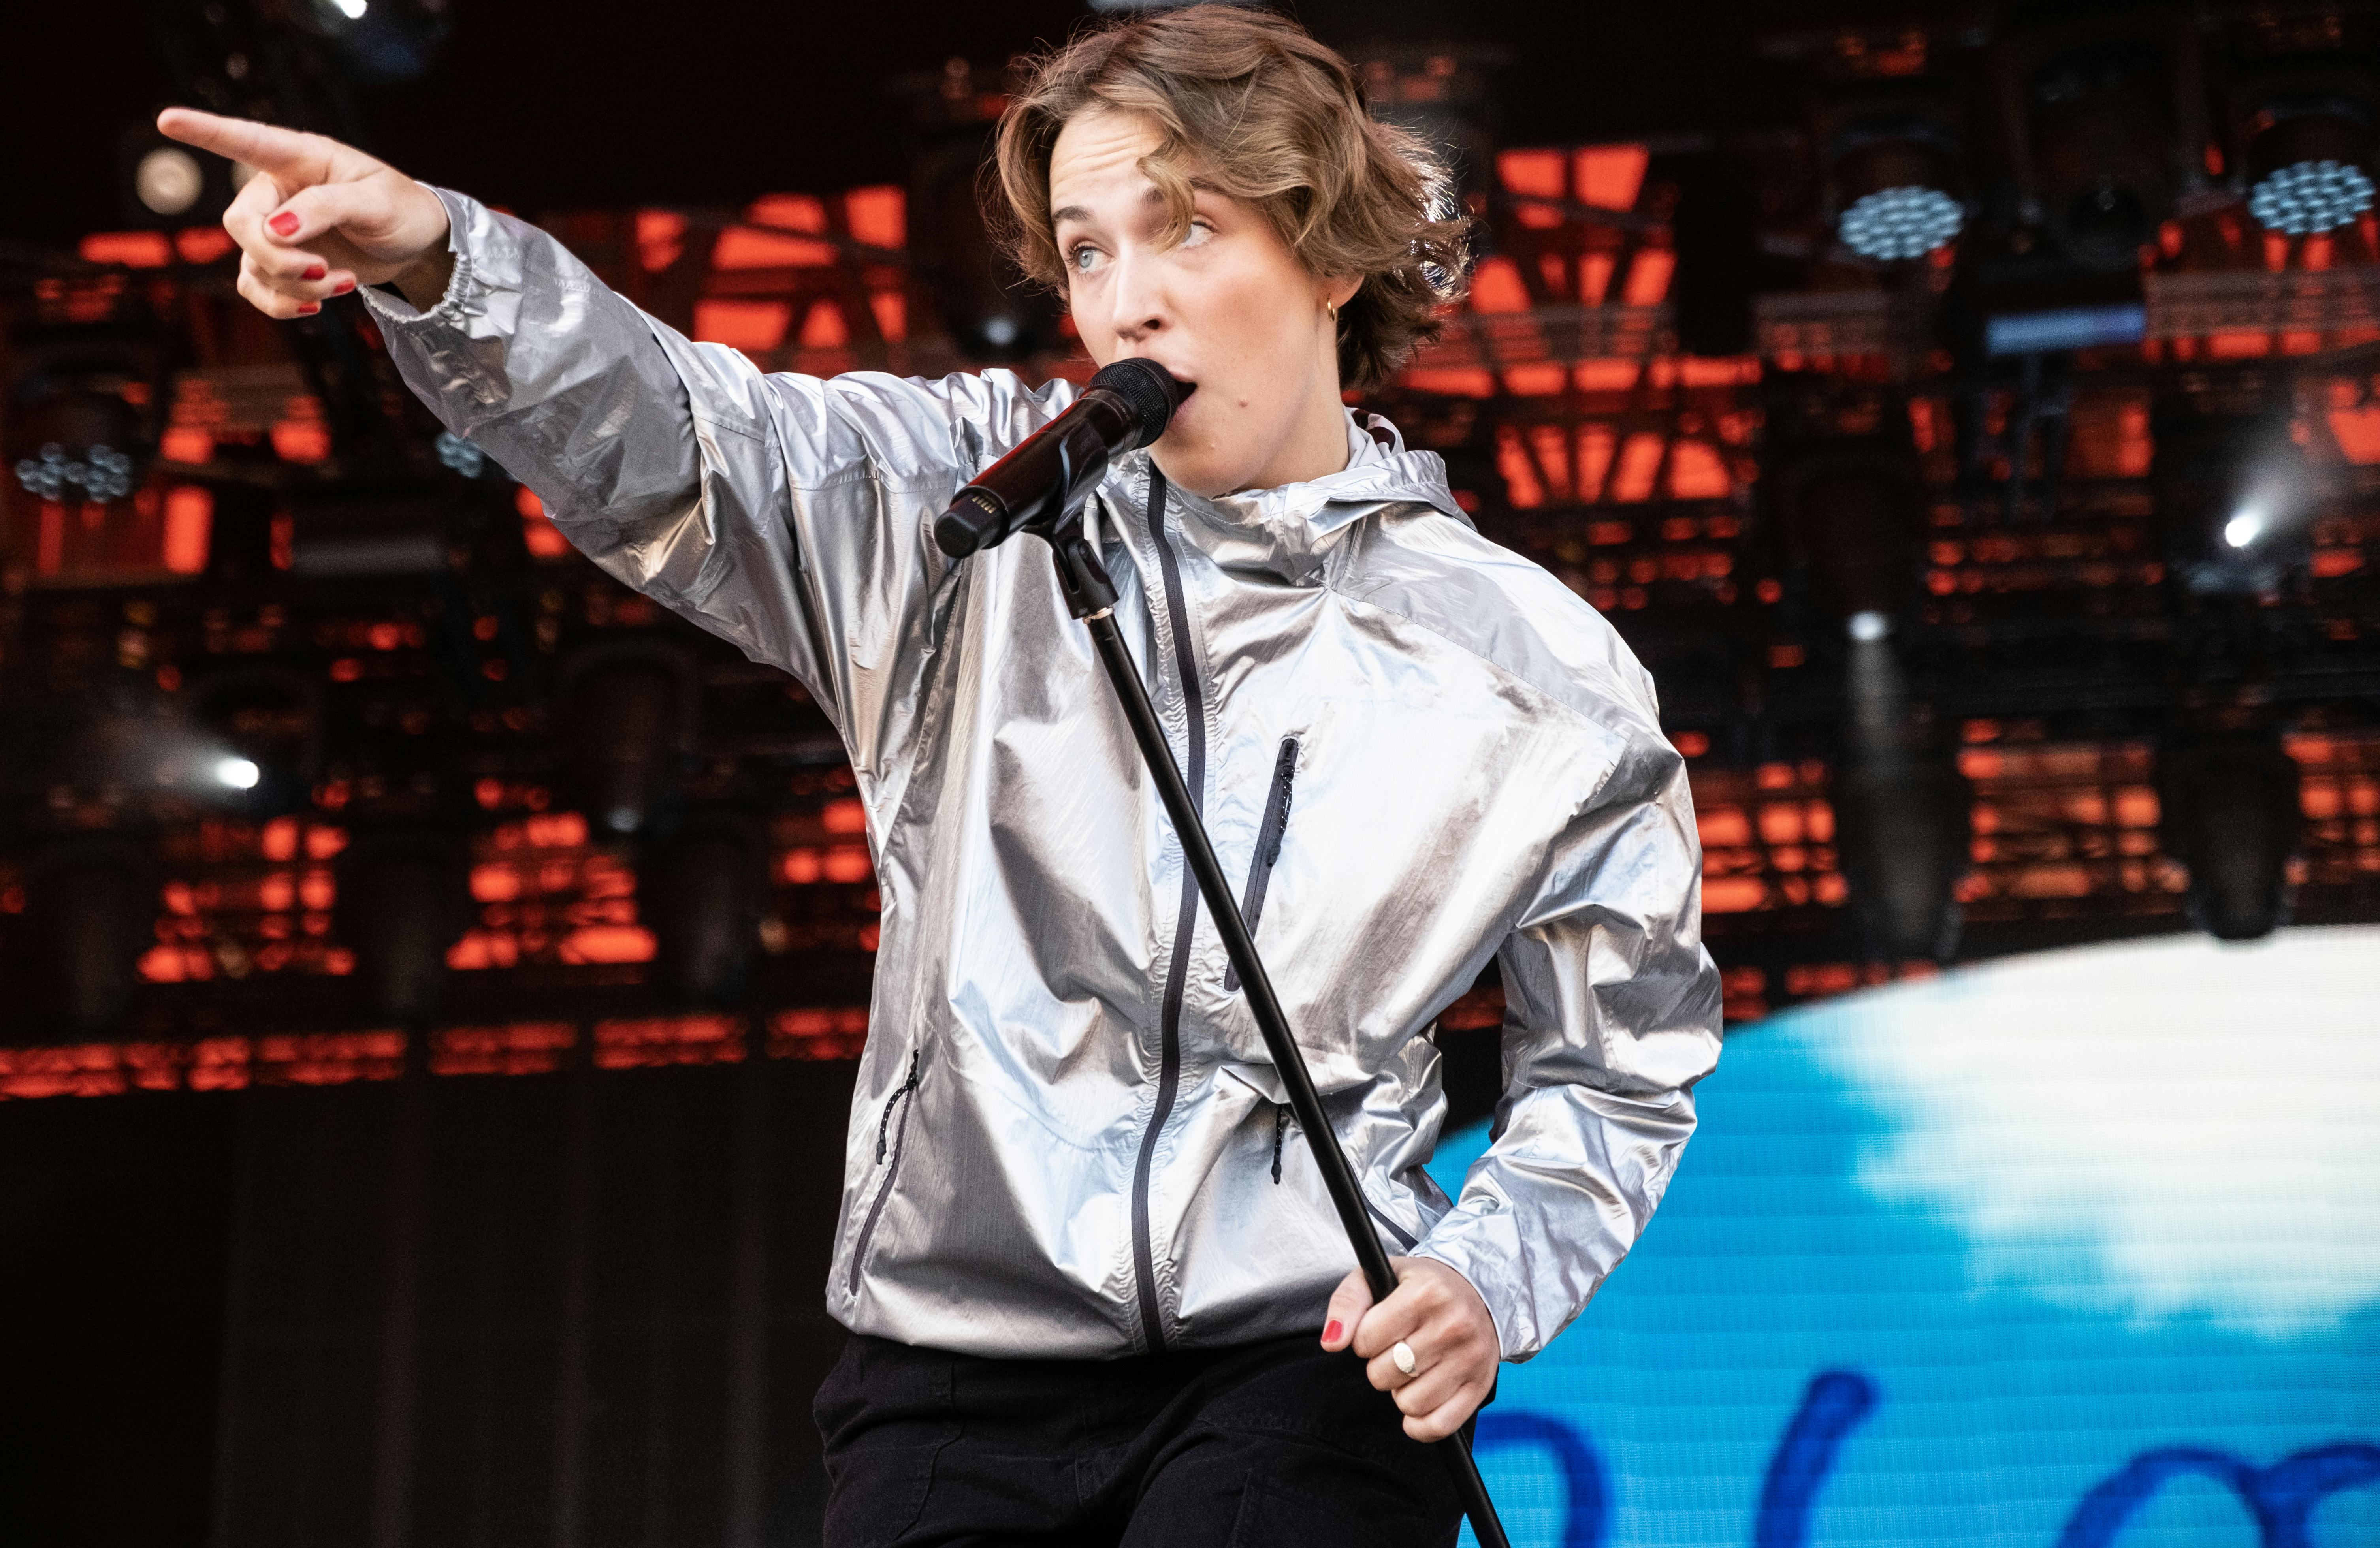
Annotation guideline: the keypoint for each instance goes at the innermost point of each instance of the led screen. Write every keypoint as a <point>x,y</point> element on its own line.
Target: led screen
<point>2062,1251</point>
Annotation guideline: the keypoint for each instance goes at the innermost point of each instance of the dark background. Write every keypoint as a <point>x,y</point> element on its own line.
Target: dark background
<point>544,106</point>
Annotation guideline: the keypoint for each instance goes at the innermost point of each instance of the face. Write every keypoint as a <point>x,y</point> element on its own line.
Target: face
<point>1229,307</point>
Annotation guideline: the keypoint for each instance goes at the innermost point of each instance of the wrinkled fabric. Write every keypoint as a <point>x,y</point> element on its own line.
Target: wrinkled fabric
<point>1067,1139</point>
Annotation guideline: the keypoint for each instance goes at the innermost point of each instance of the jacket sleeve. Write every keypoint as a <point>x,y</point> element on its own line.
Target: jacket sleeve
<point>790,515</point>
<point>1612,1015</point>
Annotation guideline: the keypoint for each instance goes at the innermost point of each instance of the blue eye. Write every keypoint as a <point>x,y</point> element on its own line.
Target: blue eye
<point>1081,258</point>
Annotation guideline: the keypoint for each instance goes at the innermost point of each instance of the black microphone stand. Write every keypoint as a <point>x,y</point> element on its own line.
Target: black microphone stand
<point>1091,597</point>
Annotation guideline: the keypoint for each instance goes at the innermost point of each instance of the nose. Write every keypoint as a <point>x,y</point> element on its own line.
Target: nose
<point>1141,312</point>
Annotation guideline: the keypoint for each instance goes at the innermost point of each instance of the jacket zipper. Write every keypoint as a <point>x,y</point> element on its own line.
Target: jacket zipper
<point>1269,833</point>
<point>904,1097</point>
<point>1168,1019</point>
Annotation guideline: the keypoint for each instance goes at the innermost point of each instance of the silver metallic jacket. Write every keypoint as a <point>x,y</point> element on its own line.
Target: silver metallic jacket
<point>1420,751</point>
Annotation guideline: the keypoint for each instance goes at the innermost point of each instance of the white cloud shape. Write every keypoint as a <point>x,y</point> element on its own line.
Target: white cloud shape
<point>2159,1129</point>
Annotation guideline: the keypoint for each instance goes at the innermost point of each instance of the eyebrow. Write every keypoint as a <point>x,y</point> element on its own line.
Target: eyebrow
<point>1154,196</point>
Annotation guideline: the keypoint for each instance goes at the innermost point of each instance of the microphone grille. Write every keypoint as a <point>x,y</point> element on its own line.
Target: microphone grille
<point>1148,391</point>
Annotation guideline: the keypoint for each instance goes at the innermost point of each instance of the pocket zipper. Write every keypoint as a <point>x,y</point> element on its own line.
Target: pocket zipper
<point>884,1130</point>
<point>1269,833</point>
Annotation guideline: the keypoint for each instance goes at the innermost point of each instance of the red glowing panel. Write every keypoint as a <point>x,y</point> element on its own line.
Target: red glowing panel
<point>134,250</point>
<point>1640,462</point>
<point>847,863</point>
<point>878,215</point>
<point>1718,371</point>
<point>1460,382</point>
<point>204,244</point>
<point>1532,173</point>
<point>192,443</point>
<point>2329,563</point>
<point>819,1034</point>
<point>1696,472</point>
<point>740,246</point>
<point>2358,431</point>
<point>189,522</point>
<point>891,309</point>
<point>1535,381</point>
<point>661,238</point>
<point>301,440</point>
<point>792,210</point>
<point>1596,445</point>
<point>330,1058</point>
<point>1648,277</point>
<point>741,325</point>
<point>1723,827</point>
<point>1551,446</point>
<point>1496,286</point>
<point>1594,273</point>
<point>824,328</point>
<point>608,943</point>
<point>1522,488</point>
<point>1610,177</point>
<point>666,1040</point>
<point>495,883</point>
<point>844,816</point>
<point>2238,345</point>
<point>1733,894</point>
<point>522,1048</point>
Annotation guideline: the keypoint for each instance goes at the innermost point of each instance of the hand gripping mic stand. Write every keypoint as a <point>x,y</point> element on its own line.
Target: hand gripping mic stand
<point>1091,597</point>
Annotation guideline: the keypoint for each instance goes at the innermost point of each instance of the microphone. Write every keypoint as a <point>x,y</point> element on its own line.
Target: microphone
<point>1126,407</point>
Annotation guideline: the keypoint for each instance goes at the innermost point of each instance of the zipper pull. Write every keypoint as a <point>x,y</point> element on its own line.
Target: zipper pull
<point>1280,1128</point>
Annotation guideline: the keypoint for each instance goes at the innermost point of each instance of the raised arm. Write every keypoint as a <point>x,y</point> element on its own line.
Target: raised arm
<point>789,514</point>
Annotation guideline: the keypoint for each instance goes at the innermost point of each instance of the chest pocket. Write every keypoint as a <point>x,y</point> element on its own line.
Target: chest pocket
<point>1269,834</point>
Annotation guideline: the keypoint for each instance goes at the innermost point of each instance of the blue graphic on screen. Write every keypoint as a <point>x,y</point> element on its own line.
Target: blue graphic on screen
<point>2078,1251</point>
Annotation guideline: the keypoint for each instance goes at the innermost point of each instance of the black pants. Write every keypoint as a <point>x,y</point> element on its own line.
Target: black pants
<point>1276,1444</point>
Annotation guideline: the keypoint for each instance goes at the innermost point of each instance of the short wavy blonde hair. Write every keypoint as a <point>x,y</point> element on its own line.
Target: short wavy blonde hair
<point>1258,110</point>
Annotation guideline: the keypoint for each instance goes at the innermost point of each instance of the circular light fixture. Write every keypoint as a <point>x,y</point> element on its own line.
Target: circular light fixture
<point>168,180</point>
<point>238,773</point>
<point>1903,223</point>
<point>2307,197</point>
<point>2244,529</point>
<point>1868,626</point>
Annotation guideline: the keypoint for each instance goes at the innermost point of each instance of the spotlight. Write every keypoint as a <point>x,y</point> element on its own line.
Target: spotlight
<point>1901,223</point>
<point>261,730</point>
<point>169,181</point>
<point>2230,813</point>
<point>2235,500</point>
<point>1868,625</point>
<point>2304,116</point>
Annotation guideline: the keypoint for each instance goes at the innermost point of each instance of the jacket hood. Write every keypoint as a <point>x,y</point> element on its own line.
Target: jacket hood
<point>1286,529</point>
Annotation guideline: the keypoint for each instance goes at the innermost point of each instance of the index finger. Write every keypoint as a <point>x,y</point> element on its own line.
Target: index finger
<point>265,147</point>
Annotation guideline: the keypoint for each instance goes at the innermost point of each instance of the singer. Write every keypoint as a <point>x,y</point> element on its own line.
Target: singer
<point>1096,1290</point>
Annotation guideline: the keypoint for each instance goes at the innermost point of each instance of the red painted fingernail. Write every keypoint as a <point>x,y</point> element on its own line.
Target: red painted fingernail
<point>310,308</point>
<point>314,271</point>
<point>283,222</point>
<point>1330,1333</point>
<point>343,288</point>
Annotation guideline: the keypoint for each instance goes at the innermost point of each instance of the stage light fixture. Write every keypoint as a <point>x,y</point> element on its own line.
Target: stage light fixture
<point>169,181</point>
<point>1868,625</point>
<point>2235,498</point>
<point>238,773</point>
<point>2304,116</point>
<point>2229,810</point>
<point>2307,197</point>
<point>2105,113</point>
<point>1892,224</point>
<point>253,739</point>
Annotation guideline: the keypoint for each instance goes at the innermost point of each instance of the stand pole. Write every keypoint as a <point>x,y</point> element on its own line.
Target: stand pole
<point>1091,596</point>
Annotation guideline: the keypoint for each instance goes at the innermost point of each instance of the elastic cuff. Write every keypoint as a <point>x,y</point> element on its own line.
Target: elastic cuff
<point>462,287</point>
